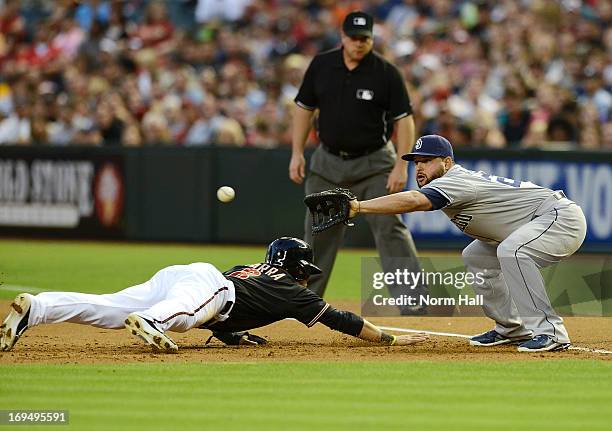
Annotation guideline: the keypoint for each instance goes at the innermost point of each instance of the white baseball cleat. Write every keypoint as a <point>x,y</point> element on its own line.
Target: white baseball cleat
<point>16,322</point>
<point>149,333</point>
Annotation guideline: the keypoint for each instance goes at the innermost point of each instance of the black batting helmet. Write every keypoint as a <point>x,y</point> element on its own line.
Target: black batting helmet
<point>294,256</point>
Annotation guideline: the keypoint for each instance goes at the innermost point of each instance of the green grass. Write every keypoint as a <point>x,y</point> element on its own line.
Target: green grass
<point>531,395</point>
<point>568,395</point>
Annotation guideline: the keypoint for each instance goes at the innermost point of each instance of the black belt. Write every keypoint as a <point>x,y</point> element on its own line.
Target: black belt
<point>224,310</point>
<point>226,307</point>
<point>558,195</point>
<point>347,155</point>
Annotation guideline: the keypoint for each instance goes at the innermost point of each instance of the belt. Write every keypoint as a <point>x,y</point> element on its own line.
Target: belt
<point>227,307</point>
<point>346,155</point>
<point>558,195</point>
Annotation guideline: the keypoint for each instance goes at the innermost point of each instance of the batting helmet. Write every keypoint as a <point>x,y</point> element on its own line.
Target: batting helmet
<point>294,256</point>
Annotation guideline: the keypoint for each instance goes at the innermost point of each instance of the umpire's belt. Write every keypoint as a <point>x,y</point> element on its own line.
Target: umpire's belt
<point>348,155</point>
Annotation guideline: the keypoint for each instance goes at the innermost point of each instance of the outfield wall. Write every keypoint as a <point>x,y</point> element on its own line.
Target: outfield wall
<point>168,194</point>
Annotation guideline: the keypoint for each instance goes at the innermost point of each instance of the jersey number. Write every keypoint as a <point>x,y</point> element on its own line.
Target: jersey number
<point>494,178</point>
<point>245,273</point>
<point>462,221</point>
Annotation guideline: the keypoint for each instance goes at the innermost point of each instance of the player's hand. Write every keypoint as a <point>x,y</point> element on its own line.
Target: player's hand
<point>252,340</point>
<point>397,178</point>
<point>297,167</point>
<point>404,340</point>
<point>237,338</point>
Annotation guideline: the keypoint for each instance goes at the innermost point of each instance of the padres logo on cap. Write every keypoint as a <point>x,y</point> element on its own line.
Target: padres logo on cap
<point>418,144</point>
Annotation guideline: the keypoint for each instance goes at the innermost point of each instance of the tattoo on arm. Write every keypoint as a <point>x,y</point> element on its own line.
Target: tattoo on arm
<point>387,339</point>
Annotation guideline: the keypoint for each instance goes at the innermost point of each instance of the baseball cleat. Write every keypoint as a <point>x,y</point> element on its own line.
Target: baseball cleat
<point>148,332</point>
<point>542,343</point>
<point>494,338</point>
<point>16,322</point>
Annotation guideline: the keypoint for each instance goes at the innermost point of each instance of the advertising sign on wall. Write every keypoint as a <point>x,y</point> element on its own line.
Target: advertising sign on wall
<point>83,195</point>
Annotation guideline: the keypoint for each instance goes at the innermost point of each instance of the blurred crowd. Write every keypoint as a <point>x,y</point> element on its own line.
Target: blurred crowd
<point>497,74</point>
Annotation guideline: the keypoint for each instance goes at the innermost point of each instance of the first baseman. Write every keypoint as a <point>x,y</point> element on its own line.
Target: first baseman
<point>518,227</point>
<point>182,297</point>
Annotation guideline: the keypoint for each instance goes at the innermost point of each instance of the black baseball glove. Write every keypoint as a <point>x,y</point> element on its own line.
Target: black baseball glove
<point>329,208</point>
<point>237,338</point>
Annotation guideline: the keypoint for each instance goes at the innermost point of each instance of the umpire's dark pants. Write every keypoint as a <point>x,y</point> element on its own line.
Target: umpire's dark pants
<point>366,177</point>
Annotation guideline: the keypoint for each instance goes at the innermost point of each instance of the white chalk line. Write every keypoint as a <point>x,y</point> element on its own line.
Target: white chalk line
<point>443,334</point>
<point>449,334</point>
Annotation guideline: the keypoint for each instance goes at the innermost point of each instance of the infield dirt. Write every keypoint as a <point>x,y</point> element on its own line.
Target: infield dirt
<point>291,341</point>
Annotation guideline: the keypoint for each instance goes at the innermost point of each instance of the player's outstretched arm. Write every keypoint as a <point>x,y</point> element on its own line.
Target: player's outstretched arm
<point>352,324</point>
<point>370,332</point>
<point>397,203</point>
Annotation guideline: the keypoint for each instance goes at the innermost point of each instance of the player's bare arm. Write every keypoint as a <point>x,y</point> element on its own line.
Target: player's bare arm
<point>404,143</point>
<point>351,324</point>
<point>302,121</point>
<point>370,332</point>
<point>397,203</point>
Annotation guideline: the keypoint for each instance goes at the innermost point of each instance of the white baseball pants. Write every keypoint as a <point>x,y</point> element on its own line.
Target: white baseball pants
<point>176,298</point>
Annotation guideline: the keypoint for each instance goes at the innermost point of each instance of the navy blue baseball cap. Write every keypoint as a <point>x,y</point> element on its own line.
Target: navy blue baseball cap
<point>431,146</point>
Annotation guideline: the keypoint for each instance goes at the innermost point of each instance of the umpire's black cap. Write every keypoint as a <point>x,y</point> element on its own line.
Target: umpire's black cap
<point>431,146</point>
<point>358,23</point>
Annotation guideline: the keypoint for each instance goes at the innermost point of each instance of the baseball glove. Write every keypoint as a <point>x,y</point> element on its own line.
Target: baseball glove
<point>329,208</point>
<point>237,338</point>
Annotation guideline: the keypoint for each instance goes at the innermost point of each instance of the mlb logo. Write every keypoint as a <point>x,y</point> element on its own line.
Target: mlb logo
<point>418,144</point>
<point>365,94</point>
<point>359,20</point>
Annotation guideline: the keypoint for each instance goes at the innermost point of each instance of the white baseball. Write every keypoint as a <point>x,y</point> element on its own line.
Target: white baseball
<point>226,194</point>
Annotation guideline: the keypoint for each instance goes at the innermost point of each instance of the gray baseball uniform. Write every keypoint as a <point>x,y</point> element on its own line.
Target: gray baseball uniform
<point>519,227</point>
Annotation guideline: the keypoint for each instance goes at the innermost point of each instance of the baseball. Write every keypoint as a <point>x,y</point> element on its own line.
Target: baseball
<point>226,194</point>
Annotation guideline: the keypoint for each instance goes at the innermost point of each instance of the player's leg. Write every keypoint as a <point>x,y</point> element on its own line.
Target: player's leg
<point>104,311</point>
<point>393,241</point>
<point>325,244</point>
<point>190,302</point>
<point>542,242</point>
<point>481,260</point>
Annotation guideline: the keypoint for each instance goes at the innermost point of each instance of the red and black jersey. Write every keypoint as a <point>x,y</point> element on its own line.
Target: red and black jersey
<point>267,294</point>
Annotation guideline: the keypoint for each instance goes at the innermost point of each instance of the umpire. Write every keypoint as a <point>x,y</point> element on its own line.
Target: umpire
<point>360,97</point>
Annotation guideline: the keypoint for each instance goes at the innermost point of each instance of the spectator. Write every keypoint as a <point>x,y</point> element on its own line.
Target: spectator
<point>60,131</point>
<point>460,57</point>
<point>514,118</point>
<point>110,127</point>
<point>131,136</point>
<point>90,11</point>
<point>230,133</point>
<point>224,10</point>
<point>156,31</point>
<point>16,128</point>
<point>205,123</point>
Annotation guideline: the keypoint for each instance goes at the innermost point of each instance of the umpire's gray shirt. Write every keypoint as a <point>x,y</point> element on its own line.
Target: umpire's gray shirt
<point>487,207</point>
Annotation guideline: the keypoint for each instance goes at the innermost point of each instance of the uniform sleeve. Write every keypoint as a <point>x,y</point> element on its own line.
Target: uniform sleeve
<point>399,105</point>
<point>437,199</point>
<point>343,321</point>
<point>307,307</point>
<point>454,190</point>
<point>307,97</point>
